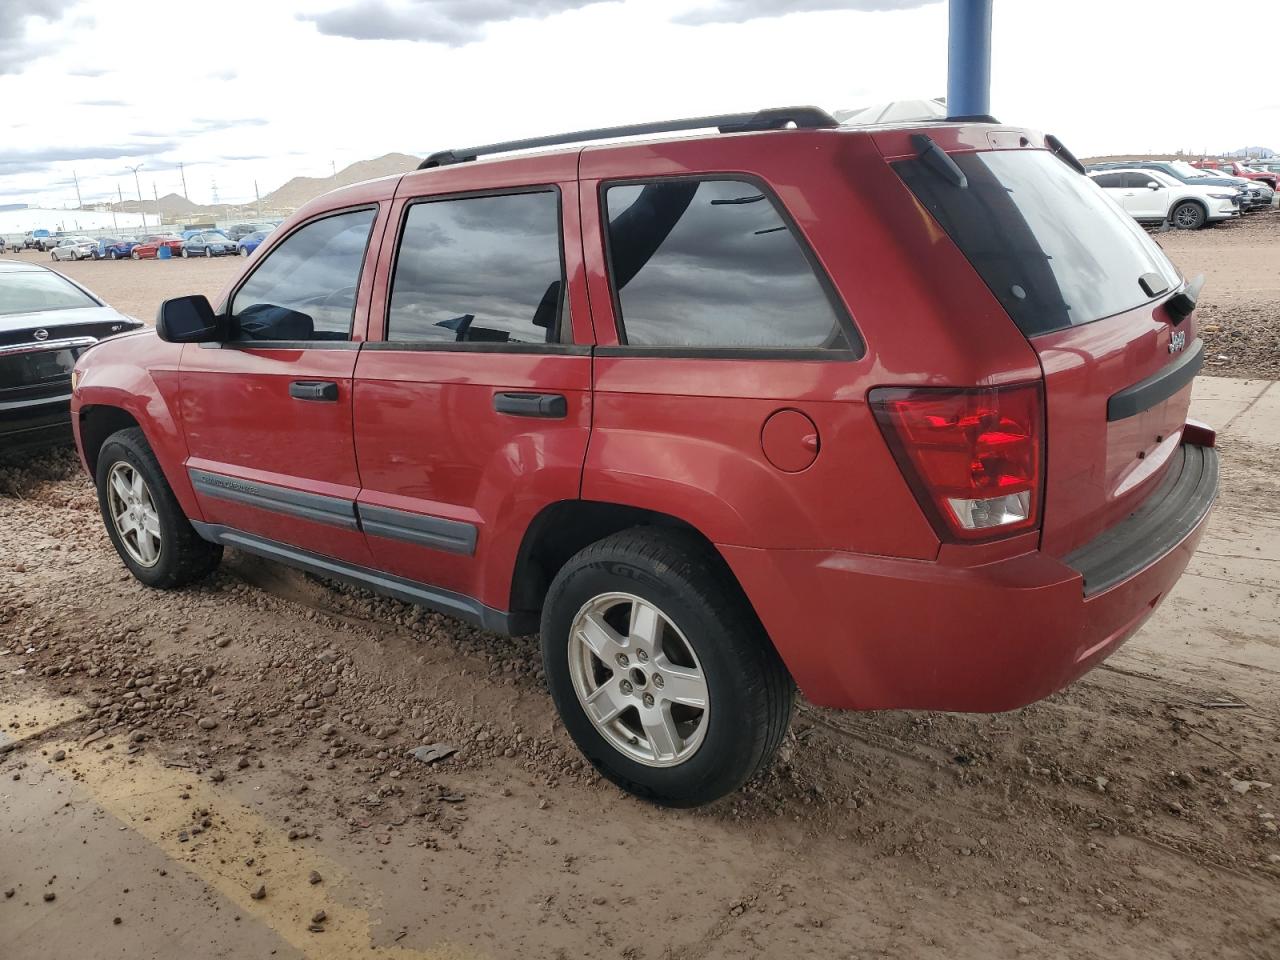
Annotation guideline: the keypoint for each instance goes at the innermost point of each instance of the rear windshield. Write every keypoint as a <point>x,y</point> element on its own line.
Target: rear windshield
<point>39,290</point>
<point>1053,248</point>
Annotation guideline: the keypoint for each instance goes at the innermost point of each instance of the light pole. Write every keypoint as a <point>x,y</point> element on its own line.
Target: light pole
<point>138,183</point>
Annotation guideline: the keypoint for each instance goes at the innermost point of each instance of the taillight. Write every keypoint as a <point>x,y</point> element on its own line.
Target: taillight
<point>973,457</point>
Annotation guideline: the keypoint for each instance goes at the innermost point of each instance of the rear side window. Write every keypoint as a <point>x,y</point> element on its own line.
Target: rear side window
<point>479,270</point>
<point>305,289</point>
<point>711,263</point>
<point>1109,180</point>
<point>1054,250</point>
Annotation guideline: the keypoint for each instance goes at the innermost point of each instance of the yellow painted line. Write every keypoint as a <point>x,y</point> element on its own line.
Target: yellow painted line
<point>28,718</point>
<point>143,793</point>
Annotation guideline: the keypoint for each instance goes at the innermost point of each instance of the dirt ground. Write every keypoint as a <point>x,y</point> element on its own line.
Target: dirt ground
<point>1239,311</point>
<point>137,287</point>
<point>204,773</point>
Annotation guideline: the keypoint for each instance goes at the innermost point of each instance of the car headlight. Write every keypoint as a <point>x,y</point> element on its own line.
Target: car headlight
<point>1222,196</point>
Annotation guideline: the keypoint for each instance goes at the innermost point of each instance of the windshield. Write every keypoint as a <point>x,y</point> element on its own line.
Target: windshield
<point>1187,170</point>
<point>1053,248</point>
<point>39,290</point>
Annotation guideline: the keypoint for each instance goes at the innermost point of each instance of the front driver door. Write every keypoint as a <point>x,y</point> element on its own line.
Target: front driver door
<point>268,415</point>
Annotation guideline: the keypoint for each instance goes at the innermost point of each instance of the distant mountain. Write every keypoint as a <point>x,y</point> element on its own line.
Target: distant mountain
<point>172,206</point>
<point>284,200</point>
<point>1261,152</point>
<point>301,189</point>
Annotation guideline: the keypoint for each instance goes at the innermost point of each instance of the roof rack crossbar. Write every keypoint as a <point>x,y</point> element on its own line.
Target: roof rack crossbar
<point>805,118</point>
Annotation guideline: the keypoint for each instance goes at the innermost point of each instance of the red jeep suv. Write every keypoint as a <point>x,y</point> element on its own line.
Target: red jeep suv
<point>894,414</point>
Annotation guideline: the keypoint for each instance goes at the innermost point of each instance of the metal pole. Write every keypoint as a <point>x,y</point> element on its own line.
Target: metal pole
<point>79,200</point>
<point>183,173</point>
<point>969,58</point>
<point>138,183</point>
<point>159,214</point>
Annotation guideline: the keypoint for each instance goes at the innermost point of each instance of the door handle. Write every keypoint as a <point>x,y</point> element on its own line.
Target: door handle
<point>552,406</point>
<point>325,390</point>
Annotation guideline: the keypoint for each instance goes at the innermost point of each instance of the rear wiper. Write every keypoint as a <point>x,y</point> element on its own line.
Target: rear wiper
<point>1057,148</point>
<point>936,159</point>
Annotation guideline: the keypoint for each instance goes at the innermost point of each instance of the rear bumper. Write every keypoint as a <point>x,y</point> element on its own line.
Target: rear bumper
<point>863,632</point>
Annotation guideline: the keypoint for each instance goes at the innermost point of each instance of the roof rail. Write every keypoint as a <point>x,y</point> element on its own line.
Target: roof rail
<point>805,118</point>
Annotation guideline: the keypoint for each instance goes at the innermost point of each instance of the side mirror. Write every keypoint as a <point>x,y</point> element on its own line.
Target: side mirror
<point>1152,185</point>
<point>190,320</point>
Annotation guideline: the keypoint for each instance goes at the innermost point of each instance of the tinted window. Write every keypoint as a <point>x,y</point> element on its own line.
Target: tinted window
<point>1110,180</point>
<point>1140,180</point>
<point>305,289</point>
<point>30,292</point>
<point>710,263</point>
<point>1052,248</point>
<point>479,269</point>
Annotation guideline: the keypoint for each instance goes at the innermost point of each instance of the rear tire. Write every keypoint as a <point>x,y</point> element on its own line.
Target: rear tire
<point>139,509</point>
<point>1189,215</point>
<point>677,631</point>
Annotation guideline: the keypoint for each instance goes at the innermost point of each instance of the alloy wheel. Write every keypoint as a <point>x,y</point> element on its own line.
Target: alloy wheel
<point>638,679</point>
<point>133,511</point>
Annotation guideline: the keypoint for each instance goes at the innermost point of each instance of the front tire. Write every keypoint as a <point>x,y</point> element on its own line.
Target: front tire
<point>135,255</point>
<point>144,519</point>
<point>1188,215</point>
<point>660,670</point>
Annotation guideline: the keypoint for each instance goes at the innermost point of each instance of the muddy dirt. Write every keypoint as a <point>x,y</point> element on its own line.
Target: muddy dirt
<point>1129,816</point>
<point>1239,312</point>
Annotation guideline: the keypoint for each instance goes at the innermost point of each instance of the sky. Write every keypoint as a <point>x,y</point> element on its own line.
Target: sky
<point>245,91</point>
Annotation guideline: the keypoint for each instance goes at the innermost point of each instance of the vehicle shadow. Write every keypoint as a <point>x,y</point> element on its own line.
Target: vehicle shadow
<point>23,473</point>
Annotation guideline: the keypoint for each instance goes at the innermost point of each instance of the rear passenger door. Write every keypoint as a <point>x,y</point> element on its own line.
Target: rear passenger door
<point>472,397</point>
<point>729,377</point>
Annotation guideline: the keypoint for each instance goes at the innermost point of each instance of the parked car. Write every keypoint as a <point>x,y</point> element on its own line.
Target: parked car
<point>114,248</point>
<point>211,244</point>
<point>150,246</point>
<point>712,433</point>
<point>1184,172</point>
<point>1152,196</point>
<point>1235,168</point>
<point>242,230</point>
<point>46,322</point>
<point>249,243</point>
<point>32,239</point>
<point>75,248</point>
<point>50,240</point>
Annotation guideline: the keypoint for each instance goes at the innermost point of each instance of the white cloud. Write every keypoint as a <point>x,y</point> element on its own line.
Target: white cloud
<point>244,91</point>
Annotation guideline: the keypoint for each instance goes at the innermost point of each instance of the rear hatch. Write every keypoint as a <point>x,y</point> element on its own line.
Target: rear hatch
<point>1088,288</point>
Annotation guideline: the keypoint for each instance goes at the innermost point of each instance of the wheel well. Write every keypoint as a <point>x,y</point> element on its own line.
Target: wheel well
<point>564,528</point>
<point>96,424</point>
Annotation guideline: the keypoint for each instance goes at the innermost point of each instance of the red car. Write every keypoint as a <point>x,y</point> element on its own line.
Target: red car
<point>150,246</point>
<point>1237,169</point>
<point>895,415</point>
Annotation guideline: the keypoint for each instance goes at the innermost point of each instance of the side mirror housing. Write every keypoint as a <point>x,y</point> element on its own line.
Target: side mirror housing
<point>190,320</point>
<point>1152,185</point>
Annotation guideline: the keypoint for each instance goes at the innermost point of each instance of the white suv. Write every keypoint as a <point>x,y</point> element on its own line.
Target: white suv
<point>1149,195</point>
